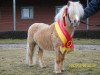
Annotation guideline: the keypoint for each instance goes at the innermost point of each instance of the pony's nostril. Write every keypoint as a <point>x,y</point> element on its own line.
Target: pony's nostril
<point>74,21</point>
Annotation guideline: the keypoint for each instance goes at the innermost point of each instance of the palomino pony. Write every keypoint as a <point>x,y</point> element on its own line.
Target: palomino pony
<point>57,36</point>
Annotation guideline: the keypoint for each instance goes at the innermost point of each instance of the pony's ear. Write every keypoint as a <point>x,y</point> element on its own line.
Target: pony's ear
<point>69,2</point>
<point>79,1</point>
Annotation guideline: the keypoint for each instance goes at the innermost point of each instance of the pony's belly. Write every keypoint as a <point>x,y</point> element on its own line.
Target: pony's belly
<point>45,46</point>
<point>43,39</point>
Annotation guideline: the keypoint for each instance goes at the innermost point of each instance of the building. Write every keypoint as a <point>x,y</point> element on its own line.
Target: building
<point>18,15</point>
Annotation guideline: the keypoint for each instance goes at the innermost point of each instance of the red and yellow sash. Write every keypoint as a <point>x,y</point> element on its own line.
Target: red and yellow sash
<point>67,42</point>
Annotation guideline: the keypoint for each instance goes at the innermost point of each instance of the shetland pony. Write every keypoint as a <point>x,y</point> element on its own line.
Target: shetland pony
<point>45,37</point>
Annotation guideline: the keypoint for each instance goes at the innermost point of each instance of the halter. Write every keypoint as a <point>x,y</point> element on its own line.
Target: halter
<point>69,19</point>
<point>66,14</point>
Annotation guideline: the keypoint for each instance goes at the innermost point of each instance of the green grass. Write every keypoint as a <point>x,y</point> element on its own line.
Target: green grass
<point>12,41</point>
<point>76,41</point>
<point>87,41</point>
<point>12,62</point>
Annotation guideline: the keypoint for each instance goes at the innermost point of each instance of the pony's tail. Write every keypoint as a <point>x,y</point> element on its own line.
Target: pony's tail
<point>27,54</point>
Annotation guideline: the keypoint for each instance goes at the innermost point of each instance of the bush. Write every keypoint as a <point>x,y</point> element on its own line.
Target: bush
<point>23,34</point>
<point>87,34</point>
<point>13,35</point>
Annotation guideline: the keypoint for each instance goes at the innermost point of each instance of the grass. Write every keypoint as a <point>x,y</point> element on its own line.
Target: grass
<point>87,41</point>
<point>12,41</point>
<point>12,62</point>
<point>76,41</point>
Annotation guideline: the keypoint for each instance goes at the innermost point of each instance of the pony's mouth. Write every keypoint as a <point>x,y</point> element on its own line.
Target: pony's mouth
<point>76,25</point>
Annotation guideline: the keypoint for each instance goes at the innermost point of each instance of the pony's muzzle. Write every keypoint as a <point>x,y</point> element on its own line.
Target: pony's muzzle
<point>75,21</point>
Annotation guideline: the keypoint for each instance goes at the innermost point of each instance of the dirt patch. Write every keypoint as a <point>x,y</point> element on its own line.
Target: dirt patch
<point>12,61</point>
<point>87,47</point>
<point>77,47</point>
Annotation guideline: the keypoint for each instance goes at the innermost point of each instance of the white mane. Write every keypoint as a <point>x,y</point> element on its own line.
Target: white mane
<point>60,14</point>
<point>74,7</point>
<point>77,8</point>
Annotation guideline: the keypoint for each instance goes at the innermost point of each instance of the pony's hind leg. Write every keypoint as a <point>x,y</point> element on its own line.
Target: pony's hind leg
<point>41,60</point>
<point>29,54</point>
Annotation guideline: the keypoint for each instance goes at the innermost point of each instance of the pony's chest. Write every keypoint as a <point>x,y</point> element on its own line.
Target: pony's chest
<point>56,40</point>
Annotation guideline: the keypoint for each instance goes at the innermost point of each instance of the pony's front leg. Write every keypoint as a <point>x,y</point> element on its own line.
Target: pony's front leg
<point>59,62</point>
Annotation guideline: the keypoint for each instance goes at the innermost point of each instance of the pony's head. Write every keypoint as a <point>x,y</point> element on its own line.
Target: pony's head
<point>73,10</point>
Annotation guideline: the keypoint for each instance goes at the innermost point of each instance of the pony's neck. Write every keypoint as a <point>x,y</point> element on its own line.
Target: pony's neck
<point>70,30</point>
<point>69,27</point>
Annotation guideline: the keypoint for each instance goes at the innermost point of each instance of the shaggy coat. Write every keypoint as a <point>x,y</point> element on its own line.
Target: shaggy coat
<point>44,37</point>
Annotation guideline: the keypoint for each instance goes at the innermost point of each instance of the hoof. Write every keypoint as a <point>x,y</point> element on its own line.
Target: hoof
<point>43,66</point>
<point>62,70</point>
<point>58,72</point>
<point>30,65</point>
